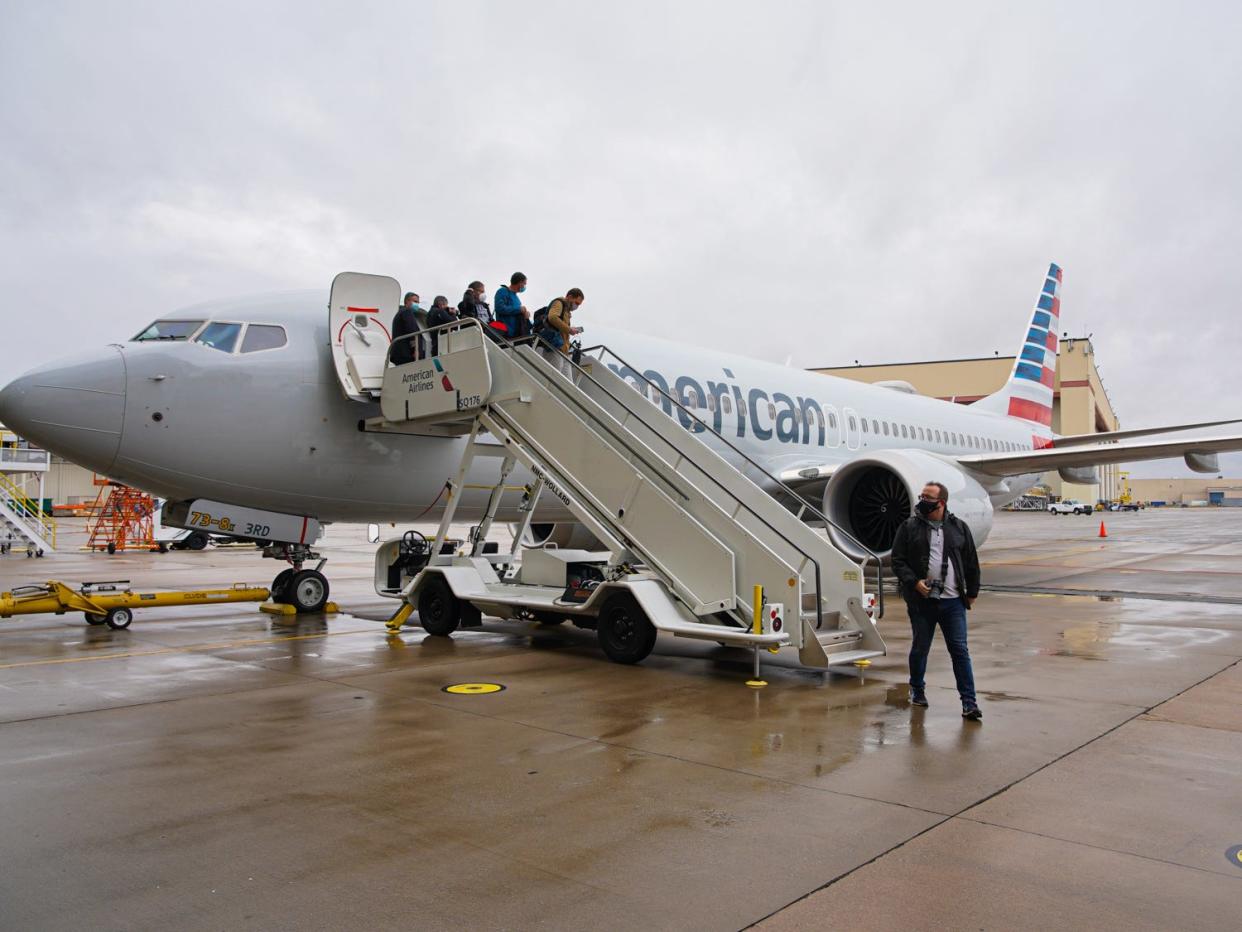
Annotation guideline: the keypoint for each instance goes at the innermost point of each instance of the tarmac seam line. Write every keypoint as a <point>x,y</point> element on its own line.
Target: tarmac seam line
<point>1234,876</point>
<point>994,794</point>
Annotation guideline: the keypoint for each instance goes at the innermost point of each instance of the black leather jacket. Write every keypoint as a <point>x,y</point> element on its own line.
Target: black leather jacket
<point>912,546</point>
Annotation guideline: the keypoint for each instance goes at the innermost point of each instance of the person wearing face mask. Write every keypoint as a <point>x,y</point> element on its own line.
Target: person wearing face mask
<point>439,315</point>
<point>473,304</point>
<point>404,324</point>
<point>509,308</point>
<point>558,329</point>
<point>935,561</point>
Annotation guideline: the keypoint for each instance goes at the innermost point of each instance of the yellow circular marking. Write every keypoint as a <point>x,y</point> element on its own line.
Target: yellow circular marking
<point>473,689</point>
<point>792,581</point>
<point>756,684</point>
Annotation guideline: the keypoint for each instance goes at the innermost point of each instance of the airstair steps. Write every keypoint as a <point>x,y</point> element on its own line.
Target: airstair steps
<point>24,528</point>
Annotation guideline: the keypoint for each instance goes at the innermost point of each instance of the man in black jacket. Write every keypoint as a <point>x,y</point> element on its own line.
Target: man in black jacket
<point>403,325</point>
<point>935,561</point>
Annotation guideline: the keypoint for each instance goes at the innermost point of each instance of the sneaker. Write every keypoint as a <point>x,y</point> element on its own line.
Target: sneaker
<point>971,712</point>
<point>918,697</point>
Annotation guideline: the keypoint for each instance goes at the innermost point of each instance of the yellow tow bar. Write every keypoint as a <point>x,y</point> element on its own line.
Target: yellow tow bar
<point>112,603</point>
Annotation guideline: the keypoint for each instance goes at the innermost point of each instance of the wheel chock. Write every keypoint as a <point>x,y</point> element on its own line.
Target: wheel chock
<point>281,608</point>
<point>399,617</point>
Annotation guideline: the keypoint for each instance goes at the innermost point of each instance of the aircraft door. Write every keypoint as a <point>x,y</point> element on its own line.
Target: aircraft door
<point>360,310</point>
<point>853,436</point>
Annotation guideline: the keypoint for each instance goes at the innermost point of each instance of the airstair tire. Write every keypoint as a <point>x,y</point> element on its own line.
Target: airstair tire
<point>439,612</point>
<point>625,633</point>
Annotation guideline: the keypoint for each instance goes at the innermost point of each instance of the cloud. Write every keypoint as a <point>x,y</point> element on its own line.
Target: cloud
<point>830,181</point>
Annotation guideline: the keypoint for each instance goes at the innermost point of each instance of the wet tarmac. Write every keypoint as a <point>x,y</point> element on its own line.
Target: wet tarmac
<point>216,767</point>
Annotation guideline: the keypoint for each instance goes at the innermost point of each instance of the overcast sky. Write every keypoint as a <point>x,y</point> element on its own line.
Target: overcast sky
<point>807,181</point>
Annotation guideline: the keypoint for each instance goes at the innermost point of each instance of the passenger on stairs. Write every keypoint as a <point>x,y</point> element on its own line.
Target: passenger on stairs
<point>559,328</point>
<point>439,315</point>
<point>473,304</point>
<point>404,324</point>
<point>510,310</point>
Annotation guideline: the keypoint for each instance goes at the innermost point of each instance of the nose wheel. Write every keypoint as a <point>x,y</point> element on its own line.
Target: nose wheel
<point>305,590</point>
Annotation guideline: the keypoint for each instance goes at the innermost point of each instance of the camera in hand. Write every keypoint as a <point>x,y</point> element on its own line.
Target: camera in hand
<point>935,588</point>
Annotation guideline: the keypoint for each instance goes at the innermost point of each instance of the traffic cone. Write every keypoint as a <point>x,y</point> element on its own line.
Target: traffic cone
<point>1103,533</point>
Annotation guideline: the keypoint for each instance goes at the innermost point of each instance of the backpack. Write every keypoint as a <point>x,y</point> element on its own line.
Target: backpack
<point>540,320</point>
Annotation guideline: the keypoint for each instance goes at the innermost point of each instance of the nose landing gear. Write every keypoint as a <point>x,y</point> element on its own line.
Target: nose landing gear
<point>305,589</point>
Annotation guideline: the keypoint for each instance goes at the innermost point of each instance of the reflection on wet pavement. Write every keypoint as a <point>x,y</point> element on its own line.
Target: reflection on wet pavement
<point>314,773</point>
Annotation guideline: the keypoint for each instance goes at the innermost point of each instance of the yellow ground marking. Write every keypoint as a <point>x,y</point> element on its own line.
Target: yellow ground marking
<point>178,650</point>
<point>473,689</point>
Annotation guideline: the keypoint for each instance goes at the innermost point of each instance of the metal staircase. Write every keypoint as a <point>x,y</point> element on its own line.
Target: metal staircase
<point>688,534</point>
<point>23,517</point>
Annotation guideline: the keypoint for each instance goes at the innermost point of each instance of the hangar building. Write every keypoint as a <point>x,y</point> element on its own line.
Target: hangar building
<point>1080,403</point>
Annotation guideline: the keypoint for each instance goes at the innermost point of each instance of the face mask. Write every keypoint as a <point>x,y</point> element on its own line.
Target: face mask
<point>926,508</point>
<point>521,289</point>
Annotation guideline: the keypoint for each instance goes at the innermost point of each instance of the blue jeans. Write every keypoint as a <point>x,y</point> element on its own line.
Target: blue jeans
<point>950,614</point>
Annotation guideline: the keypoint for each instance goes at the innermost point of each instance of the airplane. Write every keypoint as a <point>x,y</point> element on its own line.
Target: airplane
<point>252,417</point>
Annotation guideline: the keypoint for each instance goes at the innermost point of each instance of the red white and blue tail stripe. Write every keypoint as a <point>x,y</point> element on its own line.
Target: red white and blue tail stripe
<point>1028,393</point>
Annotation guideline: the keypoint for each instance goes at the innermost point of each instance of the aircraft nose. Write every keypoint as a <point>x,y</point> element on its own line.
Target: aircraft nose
<point>74,407</point>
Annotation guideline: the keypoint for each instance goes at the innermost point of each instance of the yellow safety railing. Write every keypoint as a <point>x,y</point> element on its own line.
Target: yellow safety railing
<point>30,511</point>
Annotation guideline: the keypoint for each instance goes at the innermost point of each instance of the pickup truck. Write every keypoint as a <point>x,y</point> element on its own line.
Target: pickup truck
<point>1071,506</point>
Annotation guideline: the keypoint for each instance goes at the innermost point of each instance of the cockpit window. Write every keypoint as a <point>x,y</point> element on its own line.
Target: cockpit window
<point>263,337</point>
<point>169,330</point>
<point>219,336</point>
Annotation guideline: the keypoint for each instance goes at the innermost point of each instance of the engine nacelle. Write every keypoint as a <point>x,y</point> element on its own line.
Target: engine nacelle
<point>566,535</point>
<point>871,496</point>
<point>1080,475</point>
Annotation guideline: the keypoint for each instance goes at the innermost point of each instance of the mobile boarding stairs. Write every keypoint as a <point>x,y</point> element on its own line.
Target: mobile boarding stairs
<point>694,547</point>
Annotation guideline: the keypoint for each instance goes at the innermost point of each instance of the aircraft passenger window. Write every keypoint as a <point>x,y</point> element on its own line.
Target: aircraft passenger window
<point>711,402</point>
<point>168,330</point>
<point>938,440</point>
<point>726,405</point>
<point>692,398</point>
<point>771,411</point>
<point>219,336</point>
<point>886,428</point>
<point>921,437</point>
<point>864,420</point>
<point>853,425</point>
<point>894,426</point>
<point>261,337</point>
<point>832,420</point>
<point>875,426</point>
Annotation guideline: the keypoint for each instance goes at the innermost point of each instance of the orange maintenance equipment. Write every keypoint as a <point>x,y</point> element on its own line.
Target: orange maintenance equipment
<point>123,520</point>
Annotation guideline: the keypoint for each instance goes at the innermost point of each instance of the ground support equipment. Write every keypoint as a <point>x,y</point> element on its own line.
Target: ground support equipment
<point>113,603</point>
<point>686,536</point>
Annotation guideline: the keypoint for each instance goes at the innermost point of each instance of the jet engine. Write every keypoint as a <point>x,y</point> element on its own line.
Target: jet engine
<point>870,496</point>
<point>566,535</point>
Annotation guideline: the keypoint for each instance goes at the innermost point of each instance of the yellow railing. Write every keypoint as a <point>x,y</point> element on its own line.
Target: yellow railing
<point>30,511</point>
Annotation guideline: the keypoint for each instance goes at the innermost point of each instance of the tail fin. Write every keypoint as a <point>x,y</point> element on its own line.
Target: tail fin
<point>1028,393</point>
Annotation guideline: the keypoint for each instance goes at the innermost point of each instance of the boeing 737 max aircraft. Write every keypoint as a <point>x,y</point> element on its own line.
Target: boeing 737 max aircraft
<point>256,403</point>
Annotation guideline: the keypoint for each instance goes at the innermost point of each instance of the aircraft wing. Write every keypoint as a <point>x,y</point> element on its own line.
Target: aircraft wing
<point>1033,461</point>
<point>1076,440</point>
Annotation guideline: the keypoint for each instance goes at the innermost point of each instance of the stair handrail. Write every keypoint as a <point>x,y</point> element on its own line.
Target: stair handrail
<point>534,339</point>
<point>574,358</point>
<point>603,350</point>
<point>28,511</point>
